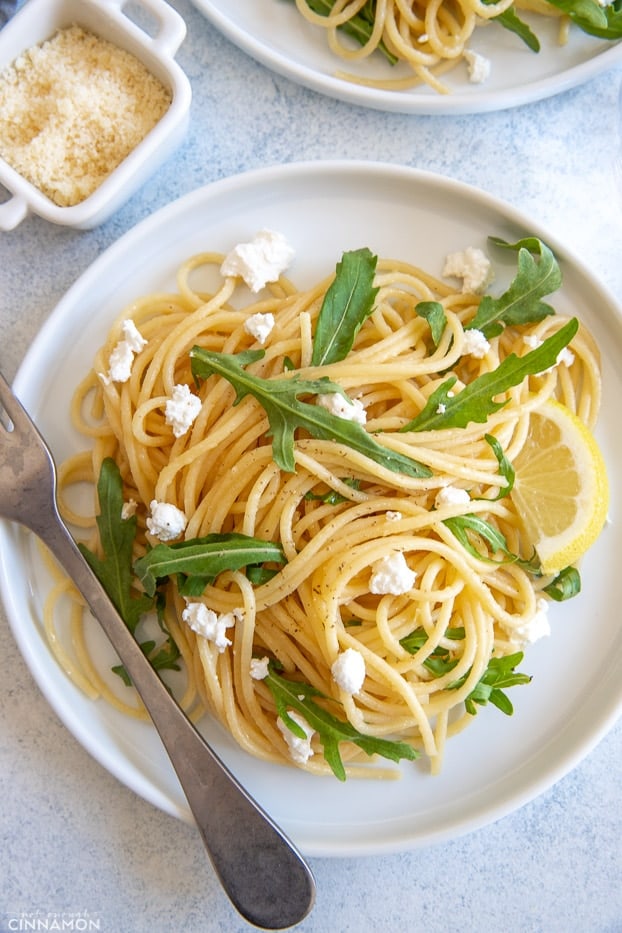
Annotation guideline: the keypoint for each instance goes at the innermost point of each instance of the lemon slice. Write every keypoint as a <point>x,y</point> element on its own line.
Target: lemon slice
<point>561,489</point>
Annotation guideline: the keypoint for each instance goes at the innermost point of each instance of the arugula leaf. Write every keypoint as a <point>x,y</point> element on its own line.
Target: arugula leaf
<point>521,303</point>
<point>202,559</point>
<point>279,399</point>
<point>566,584</point>
<point>347,303</point>
<point>592,18</point>
<point>418,637</point>
<point>359,27</point>
<point>499,673</point>
<point>114,570</point>
<point>434,313</point>
<point>332,497</point>
<point>505,467</point>
<point>511,21</point>
<point>476,401</point>
<point>464,525</point>
<point>290,694</point>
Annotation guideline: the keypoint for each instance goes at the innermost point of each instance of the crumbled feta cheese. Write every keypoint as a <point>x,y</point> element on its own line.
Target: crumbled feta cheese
<point>210,625</point>
<point>535,628</point>
<point>475,343</point>
<point>133,336</point>
<point>129,508</point>
<point>565,357</point>
<point>350,409</point>
<point>259,326</point>
<point>441,408</point>
<point>348,670</point>
<point>122,356</point>
<point>260,261</point>
<point>478,65</point>
<point>259,668</point>
<point>299,749</point>
<point>391,575</point>
<point>451,495</point>
<point>471,265</point>
<point>393,516</point>
<point>181,409</point>
<point>166,521</point>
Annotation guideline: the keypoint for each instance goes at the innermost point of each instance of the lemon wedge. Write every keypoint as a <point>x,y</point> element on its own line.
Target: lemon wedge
<point>561,489</point>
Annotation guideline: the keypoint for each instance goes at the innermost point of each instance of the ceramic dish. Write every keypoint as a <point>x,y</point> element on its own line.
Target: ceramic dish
<point>274,33</point>
<point>37,21</point>
<point>498,763</point>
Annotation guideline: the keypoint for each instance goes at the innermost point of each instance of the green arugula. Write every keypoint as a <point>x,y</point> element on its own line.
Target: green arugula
<point>116,534</point>
<point>505,467</point>
<point>434,313</point>
<point>439,661</point>
<point>348,301</point>
<point>332,497</point>
<point>592,18</point>
<point>290,694</point>
<point>522,302</point>
<point>510,20</point>
<point>359,27</point>
<point>285,411</point>
<point>114,570</point>
<point>499,674</point>
<point>566,584</point>
<point>476,401</point>
<point>198,561</point>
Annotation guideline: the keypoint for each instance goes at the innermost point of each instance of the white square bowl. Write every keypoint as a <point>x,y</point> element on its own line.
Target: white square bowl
<point>37,21</point>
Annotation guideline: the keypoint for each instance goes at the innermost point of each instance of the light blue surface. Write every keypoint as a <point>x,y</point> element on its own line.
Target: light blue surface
<point>73,841</point>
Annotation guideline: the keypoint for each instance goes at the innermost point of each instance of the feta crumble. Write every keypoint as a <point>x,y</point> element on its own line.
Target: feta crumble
<point>260,261</point>
<point>350,409</point>
<point>471,265</point>
<point>181,409</point>
<point>122,356</point>
<point>392,516</point>
<point>451,495</point>
<point>299,749</point>
<point>348,670</point>
<point>391,575</point>
<point>478,65</point>
<point>533,629</point>
<point>211,625</point>
<point>565,357</point>
<point>259,668</point>
<point>475,344</point>
<point>166,521</point>
<point>259,326</point>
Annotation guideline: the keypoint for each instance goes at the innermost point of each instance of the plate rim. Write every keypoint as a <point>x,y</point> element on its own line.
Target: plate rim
<point>24,386</point>
<point>485,101</point>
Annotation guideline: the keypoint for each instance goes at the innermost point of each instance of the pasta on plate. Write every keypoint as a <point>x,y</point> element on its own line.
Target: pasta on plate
<point>430,37</point>
<point>328,535</point>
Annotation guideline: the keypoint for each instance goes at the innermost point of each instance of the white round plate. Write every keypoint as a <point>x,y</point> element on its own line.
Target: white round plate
<point>500,762</point>
<point>275,34</point>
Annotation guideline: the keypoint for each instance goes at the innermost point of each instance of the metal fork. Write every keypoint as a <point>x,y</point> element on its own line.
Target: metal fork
<point>262,872</point>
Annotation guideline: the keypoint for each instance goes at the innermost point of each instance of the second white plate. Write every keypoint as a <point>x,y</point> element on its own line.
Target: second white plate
<point>275,34</point>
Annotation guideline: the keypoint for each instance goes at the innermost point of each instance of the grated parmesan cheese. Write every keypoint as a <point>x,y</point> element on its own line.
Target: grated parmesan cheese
<point>71,109</point>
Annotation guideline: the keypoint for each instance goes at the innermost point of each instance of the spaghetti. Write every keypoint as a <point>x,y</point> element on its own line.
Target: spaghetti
<point>372,570</point>
<point>428,36</point>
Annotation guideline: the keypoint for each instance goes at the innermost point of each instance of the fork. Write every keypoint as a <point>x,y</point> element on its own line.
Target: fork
<point>263,874</point>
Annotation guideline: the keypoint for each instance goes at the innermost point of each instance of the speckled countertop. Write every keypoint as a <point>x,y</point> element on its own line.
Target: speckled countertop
<point>76,843</point>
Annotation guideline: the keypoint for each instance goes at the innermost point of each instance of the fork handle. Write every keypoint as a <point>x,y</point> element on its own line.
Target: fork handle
<point>264,875</point>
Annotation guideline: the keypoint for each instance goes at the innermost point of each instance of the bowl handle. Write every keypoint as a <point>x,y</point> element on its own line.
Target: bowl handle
<point>12,212</point>
<point>171,25</point>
